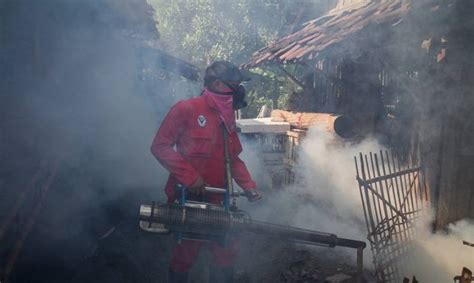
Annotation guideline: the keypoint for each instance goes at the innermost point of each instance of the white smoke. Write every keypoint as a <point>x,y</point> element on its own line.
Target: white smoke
<point>326,198</point>
<point>440,256</point>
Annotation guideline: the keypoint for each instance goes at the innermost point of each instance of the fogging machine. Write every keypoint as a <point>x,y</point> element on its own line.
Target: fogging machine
<point>210,222</point>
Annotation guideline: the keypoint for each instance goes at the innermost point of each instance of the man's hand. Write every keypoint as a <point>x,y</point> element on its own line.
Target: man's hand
<point>198,187</point>
<point>253,195</point>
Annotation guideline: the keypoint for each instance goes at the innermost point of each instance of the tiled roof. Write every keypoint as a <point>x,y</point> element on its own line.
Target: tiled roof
<point>327,31</point>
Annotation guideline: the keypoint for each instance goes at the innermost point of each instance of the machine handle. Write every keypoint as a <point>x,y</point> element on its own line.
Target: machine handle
<point>222,191</point>
<point>212,190</point>
<point>215,190</point>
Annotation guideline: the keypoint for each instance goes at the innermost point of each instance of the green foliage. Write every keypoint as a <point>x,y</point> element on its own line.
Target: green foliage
<point>205,30</point>
<point>202,31</point>
<point>268,87</point>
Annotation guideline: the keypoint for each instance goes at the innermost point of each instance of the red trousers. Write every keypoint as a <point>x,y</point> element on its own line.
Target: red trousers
<point>184,255</point>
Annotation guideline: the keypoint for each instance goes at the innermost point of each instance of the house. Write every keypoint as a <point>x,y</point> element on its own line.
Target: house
<point>398,69</point>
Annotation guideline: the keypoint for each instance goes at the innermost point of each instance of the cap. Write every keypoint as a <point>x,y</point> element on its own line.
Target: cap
<point>225,71</point>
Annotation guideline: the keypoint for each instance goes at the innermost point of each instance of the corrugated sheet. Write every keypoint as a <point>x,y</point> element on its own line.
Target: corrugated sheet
<point>327,31</point>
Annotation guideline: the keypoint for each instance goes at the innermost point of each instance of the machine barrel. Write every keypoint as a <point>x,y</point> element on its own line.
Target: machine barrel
<point>302,235</point>
<point>218,222</point>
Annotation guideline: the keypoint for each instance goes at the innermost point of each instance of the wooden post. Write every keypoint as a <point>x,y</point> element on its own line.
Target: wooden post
<point>360,264</point>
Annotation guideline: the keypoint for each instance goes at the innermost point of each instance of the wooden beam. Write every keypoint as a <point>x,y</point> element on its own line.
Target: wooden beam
<point>292,77</point>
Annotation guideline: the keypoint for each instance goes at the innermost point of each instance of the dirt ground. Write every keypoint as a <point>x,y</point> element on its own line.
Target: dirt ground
<point>136,256</point>
<point>114,249</point>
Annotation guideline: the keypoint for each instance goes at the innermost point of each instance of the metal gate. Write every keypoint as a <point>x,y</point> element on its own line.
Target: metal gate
<point>393,192</point>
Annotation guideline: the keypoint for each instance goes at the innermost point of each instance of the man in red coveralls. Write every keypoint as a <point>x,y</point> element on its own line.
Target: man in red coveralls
<point>190,145</point>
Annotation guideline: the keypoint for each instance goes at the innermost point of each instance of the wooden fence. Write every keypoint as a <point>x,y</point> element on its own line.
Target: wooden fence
<point>394,194</point>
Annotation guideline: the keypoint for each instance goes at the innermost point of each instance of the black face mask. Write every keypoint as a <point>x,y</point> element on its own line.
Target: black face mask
<point>239,96</point>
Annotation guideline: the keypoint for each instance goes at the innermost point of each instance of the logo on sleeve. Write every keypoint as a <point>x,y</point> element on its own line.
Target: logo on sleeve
<point>202,120</point>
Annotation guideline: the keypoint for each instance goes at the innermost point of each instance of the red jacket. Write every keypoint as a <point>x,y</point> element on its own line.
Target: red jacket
<point>190,143</point>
